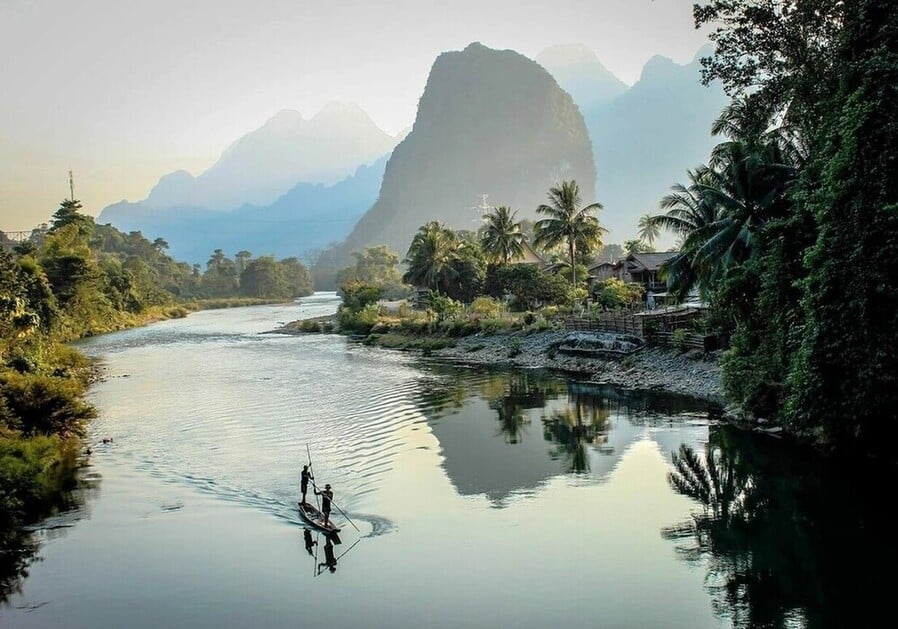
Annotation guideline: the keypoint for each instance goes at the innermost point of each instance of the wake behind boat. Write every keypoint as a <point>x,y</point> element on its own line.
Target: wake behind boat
<point>313,516</point>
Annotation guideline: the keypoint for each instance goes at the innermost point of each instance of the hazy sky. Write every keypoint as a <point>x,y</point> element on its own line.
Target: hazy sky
<point>126,91</point>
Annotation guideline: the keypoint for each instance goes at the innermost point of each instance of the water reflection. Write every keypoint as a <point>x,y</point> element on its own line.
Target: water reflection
<point>786,539</point>
<point>483,418</point>
<point>19,545</point>
<point>330,560</point>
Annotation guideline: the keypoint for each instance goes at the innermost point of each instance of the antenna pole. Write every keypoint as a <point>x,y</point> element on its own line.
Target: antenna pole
<point>71,186</point>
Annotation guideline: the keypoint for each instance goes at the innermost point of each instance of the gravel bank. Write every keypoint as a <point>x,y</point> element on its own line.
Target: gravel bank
<point>690,373</point>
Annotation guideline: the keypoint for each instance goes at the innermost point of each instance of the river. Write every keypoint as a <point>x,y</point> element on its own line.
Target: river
<point>482,498</point>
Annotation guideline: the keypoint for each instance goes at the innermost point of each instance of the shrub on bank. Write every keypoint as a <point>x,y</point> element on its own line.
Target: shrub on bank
<point>36,404</point>
<point>486,308</point>
<point>34,470</point>
<point>361,321</point>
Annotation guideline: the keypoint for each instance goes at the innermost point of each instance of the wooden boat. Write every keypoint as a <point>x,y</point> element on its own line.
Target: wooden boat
<point>313,516</point>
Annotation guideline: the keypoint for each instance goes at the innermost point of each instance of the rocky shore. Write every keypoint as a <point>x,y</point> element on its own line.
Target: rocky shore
<point>690,373</point>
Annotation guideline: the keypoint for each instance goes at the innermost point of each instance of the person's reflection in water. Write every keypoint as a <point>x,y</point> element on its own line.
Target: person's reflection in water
<point>307,535</point>
<point>330,561</point>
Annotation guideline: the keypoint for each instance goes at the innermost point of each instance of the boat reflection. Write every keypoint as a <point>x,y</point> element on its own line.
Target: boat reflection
<point>330,560</point>
<point>321,547</point>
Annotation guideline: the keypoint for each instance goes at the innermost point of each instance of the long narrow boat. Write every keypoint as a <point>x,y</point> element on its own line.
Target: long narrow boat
<point>313,516</point>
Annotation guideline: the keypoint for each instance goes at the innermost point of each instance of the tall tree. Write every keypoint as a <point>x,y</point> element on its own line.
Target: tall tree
<point>648,229</point>
<point>502,239</point>
<point>431,257</point>
<point>569,223</point>
<point>69,213</point>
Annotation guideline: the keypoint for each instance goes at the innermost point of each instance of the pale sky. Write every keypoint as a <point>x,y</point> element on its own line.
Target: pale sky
<point>123,92</point>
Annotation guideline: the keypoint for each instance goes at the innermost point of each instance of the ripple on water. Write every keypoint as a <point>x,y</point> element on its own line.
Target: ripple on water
<point>230,413</point>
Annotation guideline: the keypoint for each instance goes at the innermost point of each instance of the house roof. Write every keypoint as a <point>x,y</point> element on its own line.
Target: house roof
<point>648,261</point>
<point>530,256</point>
<point>604,263</point>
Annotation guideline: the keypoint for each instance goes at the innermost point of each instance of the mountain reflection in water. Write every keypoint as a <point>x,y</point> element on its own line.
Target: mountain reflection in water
<point>544,426</point>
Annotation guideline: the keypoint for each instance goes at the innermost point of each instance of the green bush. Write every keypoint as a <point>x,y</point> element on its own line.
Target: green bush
<point>678,339</point>
<point>486,307</point>
<point>360,322</point>
<point>445,307</point>
<point>514,347</point>
<point>36,404</point>
<point>311,326</point>
<point>359,295</point>
<point>613,294</point>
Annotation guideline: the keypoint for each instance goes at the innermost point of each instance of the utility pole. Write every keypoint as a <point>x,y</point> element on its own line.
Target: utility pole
<point>483,208</point>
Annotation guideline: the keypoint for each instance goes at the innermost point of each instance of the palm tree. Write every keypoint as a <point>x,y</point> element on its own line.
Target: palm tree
<point>724,210</point>
<point>569,223</point>
<point>431,257</point>
<point>502,238</point>
<point>648,229</point>
<point>690,216</point>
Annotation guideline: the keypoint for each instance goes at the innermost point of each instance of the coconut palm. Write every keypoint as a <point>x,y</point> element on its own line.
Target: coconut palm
<point>502,239</point>
<point>648,229</point>
<point>432,256</point>
<point>724,210</point>
<point>568,223</point>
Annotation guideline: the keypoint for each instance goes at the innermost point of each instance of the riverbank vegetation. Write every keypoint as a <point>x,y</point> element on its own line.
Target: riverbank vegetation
<point>77,279</point>
<point>791,229</point>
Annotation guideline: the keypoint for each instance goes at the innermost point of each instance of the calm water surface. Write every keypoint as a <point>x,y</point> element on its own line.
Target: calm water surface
<point>483,498</point>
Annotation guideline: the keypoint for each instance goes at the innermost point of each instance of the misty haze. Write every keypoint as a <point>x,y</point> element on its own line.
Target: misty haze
<point>468,314</point>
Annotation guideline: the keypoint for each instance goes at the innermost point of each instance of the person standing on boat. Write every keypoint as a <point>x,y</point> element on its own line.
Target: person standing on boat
<point>304,479</point>
<point>326,497</point>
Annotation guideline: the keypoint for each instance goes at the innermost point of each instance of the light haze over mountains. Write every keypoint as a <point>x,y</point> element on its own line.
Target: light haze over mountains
<point>489,122</point>
<point>262,165</point>
<point>645,137</point>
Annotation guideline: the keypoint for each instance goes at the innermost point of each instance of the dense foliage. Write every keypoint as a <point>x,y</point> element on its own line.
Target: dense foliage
<point>377,266</point>
<point>441,260</point>
<point>791,230</point>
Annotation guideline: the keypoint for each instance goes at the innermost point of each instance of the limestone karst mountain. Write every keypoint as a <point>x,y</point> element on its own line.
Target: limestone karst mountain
<point>646,139</point>
<point>580,73</point>
<point>489,122</point>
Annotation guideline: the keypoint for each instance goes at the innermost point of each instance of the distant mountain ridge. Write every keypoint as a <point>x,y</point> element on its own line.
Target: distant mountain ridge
<point>645,138</point>
<point>489,121</point>
<point>306,218</point>
<point>265,163</point>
